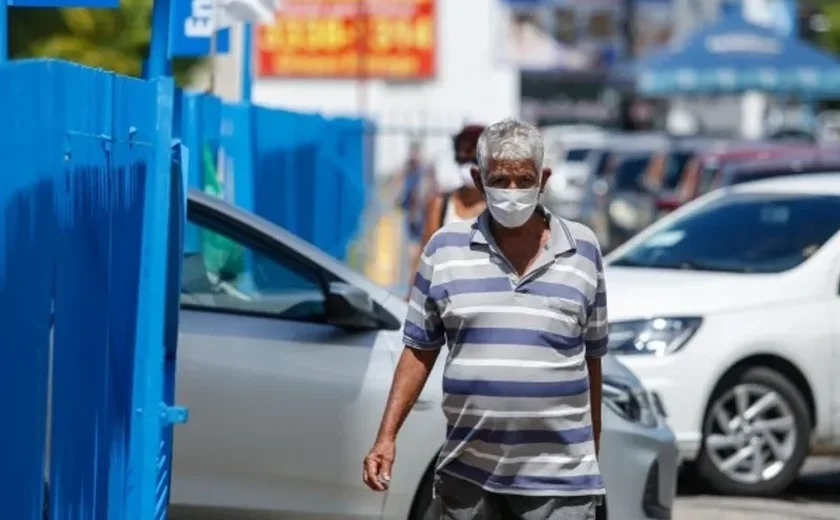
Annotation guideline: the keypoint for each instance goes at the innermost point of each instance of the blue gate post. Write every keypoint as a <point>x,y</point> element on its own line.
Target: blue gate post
<point>4,31</point>
<point>150,413</point>
<point>247,61</point>
<point>159,64</point>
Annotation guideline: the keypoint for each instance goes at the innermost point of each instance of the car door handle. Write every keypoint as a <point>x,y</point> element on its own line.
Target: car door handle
<point>423,404</point>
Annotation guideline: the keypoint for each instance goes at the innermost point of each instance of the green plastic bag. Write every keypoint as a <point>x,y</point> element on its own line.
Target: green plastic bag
<point>222,256</point>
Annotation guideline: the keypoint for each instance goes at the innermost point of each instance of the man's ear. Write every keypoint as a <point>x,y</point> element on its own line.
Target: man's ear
<point>546,173</point>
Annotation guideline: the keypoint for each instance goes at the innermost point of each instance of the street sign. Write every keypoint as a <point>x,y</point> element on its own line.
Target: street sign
<point>191,29</point>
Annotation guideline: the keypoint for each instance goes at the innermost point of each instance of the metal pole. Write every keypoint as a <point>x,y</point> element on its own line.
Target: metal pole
<point>213,44</point>
<point>159,47</point>
<point>247,61</point>
<point>4,30</point>
<point>362,45</point>
<point>629,34</point>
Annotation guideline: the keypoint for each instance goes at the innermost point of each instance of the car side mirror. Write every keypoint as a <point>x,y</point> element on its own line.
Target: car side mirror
<point>350,307</point>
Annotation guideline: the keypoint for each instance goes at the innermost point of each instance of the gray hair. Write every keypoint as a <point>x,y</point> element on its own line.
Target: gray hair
<point>510,139</point>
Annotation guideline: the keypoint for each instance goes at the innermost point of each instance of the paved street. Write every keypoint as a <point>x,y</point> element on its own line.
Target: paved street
<point>815,497</point>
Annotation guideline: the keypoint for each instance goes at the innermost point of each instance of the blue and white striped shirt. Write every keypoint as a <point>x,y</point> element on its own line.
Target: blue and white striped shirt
<point>516,386</point>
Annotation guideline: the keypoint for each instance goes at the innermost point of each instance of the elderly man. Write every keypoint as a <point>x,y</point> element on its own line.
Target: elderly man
<point>518,297</point>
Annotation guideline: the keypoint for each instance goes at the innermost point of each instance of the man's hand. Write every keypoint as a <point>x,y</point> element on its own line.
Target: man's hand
<point>411,374</point>
<point>376,470</point>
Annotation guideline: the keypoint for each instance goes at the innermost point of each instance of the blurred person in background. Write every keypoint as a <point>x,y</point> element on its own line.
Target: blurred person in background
<point>464,200</point>
<point>417,188</point>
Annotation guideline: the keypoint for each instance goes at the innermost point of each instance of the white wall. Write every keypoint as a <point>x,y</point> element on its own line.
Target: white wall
<point>470,86</point>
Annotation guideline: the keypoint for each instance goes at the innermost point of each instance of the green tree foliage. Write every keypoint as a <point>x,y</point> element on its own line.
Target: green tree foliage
<point>112,39</point>
<point>830,39</point>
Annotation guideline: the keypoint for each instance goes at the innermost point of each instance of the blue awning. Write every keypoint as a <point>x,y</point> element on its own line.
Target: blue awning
<point>732,56</point>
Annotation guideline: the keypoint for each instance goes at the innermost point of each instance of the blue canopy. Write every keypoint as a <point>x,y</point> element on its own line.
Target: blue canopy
<point>734,55</point>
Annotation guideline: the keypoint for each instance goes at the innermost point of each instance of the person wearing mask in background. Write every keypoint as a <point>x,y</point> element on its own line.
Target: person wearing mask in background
<point>518,296</point>
<point>464,202</point>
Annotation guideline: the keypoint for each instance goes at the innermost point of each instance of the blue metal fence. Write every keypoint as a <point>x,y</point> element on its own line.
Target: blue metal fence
<point>85,222</point>
<point>305,172</point>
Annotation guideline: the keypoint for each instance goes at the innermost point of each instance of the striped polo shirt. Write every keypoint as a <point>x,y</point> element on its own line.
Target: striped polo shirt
<point>515,384</point>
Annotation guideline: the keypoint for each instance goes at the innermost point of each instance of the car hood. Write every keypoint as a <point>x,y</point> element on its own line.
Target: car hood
<point>637,293</point>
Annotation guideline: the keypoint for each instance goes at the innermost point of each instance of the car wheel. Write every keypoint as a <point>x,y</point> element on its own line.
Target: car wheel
<point>755,434</point>
<point>423,507</point>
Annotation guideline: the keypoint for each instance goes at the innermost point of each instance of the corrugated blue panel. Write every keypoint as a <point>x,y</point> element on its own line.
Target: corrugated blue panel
<point>309,175</point>
<point>83,231</point>
<point>27,231</point>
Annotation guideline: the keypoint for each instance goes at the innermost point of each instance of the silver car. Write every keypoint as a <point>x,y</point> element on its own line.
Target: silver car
<point>285,361</point>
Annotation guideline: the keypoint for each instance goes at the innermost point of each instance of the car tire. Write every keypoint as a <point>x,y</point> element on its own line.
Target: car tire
<point>795,408</point>
<point>423,507</point>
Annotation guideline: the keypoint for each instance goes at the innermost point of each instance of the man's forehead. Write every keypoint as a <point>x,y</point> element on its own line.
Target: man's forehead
<point>511,166</point>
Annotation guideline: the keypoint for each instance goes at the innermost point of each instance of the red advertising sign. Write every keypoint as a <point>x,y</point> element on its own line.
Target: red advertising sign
<point>349,39</point>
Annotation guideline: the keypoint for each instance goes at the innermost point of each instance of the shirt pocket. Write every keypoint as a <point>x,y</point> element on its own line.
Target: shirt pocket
<point>568,316</point>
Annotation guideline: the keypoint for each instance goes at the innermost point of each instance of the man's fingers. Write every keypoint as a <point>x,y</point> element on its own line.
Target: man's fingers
<point>385,472</point>
<point>372,474</point>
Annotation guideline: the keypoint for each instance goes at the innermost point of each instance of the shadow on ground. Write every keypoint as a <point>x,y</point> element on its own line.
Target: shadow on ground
<point>819,482</point>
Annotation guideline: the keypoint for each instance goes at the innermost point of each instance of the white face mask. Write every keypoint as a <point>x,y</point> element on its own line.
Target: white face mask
<point>512,208</point>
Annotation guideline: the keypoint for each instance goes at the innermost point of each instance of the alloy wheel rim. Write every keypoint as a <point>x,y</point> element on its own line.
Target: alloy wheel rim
<point>750,433</point>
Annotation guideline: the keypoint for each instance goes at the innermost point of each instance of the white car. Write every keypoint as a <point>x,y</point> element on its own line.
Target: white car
<point>727,310</point>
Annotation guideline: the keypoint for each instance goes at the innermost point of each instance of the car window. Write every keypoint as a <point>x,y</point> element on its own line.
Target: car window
<point>674,169</point>
<point>708,176</point>
<point>577,154</point>
<point>747,233</point>
<point>224,275</point>
<point>628,173</point>
<point>600,168</point>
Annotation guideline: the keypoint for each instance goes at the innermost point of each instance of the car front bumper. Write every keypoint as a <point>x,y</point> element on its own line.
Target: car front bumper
<point>640,468</point>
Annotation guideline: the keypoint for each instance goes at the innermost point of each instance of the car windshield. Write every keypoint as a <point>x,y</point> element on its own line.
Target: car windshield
<point>746,233</point>
<point>629,171</point>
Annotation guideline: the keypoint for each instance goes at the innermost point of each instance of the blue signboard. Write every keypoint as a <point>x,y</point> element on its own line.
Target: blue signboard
<point>96,4</point>
<point>191,28</point>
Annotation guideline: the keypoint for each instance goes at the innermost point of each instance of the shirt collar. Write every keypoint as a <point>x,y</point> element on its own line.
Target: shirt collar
<point>561,240</point>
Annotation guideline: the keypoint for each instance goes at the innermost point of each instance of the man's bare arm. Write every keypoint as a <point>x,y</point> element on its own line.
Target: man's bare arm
<point>593,365</point>
<point>409,379</point>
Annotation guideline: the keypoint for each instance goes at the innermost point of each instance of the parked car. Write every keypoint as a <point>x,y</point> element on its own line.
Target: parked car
<point>286,369</point>
<point>699,172</point>
<point>567,149</point>
<point>618,171</point>
<point>772,168</point>
<point>726,309</point>
<point>668,167</point>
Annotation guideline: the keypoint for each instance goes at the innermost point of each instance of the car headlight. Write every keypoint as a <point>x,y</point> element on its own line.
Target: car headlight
<point>624,214</point>
<point>631,403</point>
<point>657,336</point>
